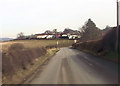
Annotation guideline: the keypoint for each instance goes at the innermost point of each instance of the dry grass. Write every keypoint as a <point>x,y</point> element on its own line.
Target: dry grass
<point>17,57</point>
<point>22,74</point>
<point>37,43</point>
<point>6,45</point>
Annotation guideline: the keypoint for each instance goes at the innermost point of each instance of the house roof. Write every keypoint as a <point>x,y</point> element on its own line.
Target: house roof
<point>43,34</point>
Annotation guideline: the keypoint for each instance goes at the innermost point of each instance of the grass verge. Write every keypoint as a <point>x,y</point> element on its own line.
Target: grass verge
<point>107,55</point>
<point>21,75</point>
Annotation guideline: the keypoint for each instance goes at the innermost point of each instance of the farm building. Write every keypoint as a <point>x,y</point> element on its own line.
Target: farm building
<point>45,36</point>
<point>41,36</point>
<point>73,36</point>
<point>53,36</point>
<point>50,36</point>
<point>64,36</point>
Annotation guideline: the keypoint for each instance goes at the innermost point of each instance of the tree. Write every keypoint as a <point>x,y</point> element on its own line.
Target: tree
<point>90,31</point>
<point>48,32</point>
<point>20,35</point>
<point>54,31</point>
<point>107,28</point>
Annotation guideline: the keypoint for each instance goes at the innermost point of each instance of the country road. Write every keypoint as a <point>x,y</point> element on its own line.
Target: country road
<point>70,66</point>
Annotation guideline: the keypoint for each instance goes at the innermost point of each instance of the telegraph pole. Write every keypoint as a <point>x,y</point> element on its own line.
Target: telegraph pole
<point>117,13</point>
<point>117,41</point>
<point>56,38</point>
<point>117,30</point>
<point>117,37</point>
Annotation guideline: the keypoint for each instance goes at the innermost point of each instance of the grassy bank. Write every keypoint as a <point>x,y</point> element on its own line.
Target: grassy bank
<point>21,74</point>
<point>22,57</point>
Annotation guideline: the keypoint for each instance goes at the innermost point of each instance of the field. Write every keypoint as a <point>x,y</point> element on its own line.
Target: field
<point>37,43</point>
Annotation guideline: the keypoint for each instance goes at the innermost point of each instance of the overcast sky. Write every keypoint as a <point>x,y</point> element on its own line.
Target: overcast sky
<point>36,16</point>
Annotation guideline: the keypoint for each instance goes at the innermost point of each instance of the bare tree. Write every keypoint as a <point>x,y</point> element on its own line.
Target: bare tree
<point>20,35</point>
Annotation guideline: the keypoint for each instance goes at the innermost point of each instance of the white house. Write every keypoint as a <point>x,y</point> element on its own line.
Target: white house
<point>73,36</point>
<point>49,36</point>
<point>44,36</point>
<point>41,36</point>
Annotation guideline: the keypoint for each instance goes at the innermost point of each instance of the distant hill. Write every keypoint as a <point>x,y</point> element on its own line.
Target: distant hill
<point>6,39</point>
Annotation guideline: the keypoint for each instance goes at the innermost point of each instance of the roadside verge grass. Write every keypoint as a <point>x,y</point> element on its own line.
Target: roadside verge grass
<point>22,74</point>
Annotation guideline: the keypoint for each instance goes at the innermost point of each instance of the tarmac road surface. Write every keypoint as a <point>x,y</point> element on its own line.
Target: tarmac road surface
<point>70,66</point>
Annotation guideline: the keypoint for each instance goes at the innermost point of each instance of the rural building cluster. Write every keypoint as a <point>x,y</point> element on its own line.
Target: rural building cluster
<point>58,36</point>
<point>66,34</point>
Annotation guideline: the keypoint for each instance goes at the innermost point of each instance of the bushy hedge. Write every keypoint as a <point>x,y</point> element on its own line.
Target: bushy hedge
<point>105,45</point>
